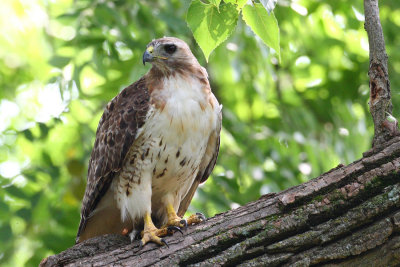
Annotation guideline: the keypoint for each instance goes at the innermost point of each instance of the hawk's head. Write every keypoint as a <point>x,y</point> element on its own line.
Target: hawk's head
<point>169,53</point>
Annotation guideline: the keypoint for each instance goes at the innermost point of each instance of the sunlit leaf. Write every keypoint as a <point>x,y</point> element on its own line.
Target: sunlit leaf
<point>215,2</point>
<point>209,25</point>
<point>263,24</point>
<point>239,3</point>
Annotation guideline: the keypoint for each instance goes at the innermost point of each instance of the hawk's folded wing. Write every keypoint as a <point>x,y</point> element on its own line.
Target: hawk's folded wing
<point>117,130</point>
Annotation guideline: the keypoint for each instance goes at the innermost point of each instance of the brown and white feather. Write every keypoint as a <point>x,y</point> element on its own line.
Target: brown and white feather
<point>156,142</point>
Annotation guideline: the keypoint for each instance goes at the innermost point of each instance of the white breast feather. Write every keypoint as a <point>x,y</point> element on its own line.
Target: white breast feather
<point>183,125</point>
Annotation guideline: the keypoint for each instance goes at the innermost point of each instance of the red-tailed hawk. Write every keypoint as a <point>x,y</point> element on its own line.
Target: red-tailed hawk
<point>156,142</point>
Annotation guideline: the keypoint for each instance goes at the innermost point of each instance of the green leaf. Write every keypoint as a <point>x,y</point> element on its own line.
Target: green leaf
<point>215,2</point>
<point>264,25</point>
<point>59,62</point>
<point>44,130</point>
<point>240,3</point>
<point>28,134</point>
<point>211,27</point>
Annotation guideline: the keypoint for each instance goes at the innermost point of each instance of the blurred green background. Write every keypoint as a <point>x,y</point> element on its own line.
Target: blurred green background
<point>61,61</point>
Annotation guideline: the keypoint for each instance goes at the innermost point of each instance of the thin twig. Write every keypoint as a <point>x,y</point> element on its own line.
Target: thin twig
<point>380,103</point>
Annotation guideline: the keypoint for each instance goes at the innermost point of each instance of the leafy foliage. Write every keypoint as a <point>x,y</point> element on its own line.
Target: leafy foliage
<point>284,123</point>
<point>212,23</point>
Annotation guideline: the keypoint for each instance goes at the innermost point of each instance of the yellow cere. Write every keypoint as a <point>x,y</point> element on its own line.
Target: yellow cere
<point>150,49</point>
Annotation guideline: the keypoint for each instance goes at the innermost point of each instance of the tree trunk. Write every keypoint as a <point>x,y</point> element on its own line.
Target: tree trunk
<point>348,216</point>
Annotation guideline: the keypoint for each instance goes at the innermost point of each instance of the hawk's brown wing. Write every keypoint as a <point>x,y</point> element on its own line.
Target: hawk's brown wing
<point>206,166</point>
<point>116,132</point>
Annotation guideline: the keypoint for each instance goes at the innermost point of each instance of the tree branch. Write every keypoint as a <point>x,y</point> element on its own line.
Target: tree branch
<point>348,216</point>
<point>380,103</point>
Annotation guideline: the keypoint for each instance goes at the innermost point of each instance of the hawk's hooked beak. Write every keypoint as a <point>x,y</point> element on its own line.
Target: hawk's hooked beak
<point>148,54</point>
<point>147,57</point>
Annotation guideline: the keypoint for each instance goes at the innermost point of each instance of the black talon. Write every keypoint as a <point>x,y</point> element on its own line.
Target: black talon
<point>164,242</point>
<point>201,216</point>
<point>169,231</point>
<point>184,222</point>
<point>176,228</point>
<point>141,245</point>
<point>137,236</point>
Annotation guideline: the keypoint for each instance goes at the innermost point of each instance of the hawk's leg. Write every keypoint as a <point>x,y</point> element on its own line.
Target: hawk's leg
<point>175,221</point>
<point>152,233</point>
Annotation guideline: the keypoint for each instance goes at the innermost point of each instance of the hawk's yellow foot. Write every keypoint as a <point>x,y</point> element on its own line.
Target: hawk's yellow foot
<point>176,223</point>
<point>196,218</point>
<point>152,233</point>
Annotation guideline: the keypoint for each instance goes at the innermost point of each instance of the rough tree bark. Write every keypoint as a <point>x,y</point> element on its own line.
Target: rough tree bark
<point>349,216</point>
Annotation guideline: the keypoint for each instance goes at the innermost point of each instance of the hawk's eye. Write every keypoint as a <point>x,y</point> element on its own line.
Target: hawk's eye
<point>170,48</point>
